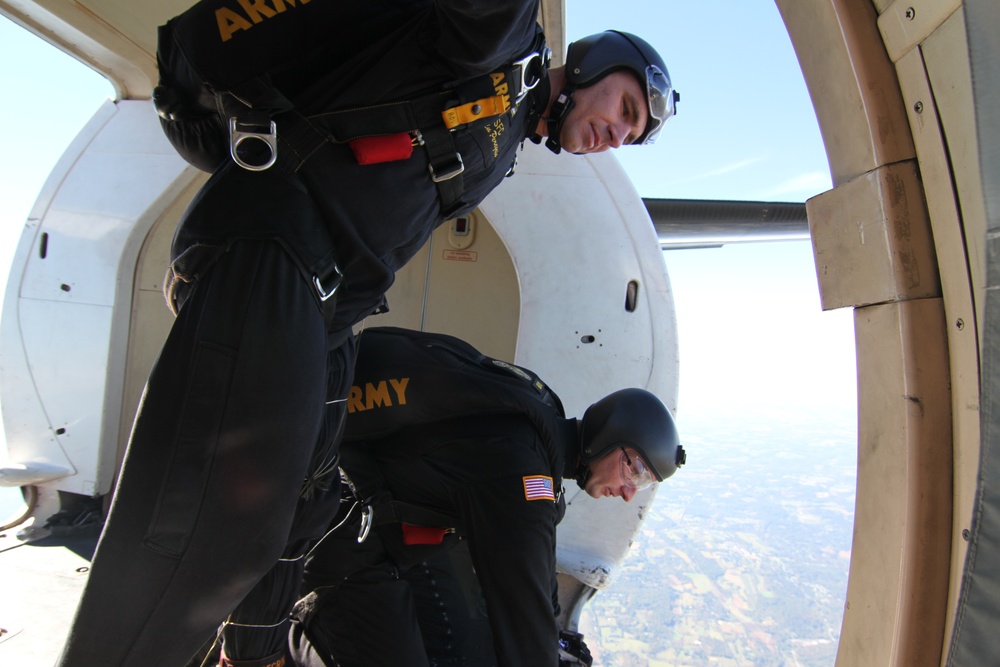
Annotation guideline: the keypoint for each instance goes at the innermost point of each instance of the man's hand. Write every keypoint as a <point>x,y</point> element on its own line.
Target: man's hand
<point>573,650</point>
<point>170,104</point>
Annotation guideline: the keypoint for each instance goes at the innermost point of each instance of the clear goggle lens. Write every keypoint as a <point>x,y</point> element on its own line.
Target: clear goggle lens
<point>660,95</point>
<point>635,474</point>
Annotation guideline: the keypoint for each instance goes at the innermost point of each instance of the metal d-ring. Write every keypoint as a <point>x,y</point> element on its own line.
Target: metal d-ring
<point>237,137</point>
<point>367,516</point>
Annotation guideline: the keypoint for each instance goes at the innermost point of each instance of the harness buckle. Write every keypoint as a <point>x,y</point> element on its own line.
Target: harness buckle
<point>326,293</point>
<point>367,515</point>
<point>237,137</point>
<point>524,65</point>
<point>453,169</point>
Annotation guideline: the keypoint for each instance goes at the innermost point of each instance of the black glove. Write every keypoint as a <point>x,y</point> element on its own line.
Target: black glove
<point>196,132</point>
<point>573,650</point>
<point>172,104</point>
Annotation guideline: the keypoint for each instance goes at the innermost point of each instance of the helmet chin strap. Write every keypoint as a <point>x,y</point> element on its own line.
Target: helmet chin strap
<point>560,109</point>
<point>583,473</point>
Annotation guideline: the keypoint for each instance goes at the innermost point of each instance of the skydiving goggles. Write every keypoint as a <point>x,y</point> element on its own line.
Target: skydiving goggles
<point>635,474</point>
<point>662,99</point>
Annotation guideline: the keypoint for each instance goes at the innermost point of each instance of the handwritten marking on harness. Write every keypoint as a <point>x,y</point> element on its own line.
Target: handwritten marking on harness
<point>377,395</point>
<point>494,131</point>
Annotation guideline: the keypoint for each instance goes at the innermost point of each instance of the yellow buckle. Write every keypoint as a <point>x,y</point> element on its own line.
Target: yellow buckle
<point>467,113</point>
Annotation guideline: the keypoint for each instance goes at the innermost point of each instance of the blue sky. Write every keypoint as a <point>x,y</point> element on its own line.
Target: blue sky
<point>751,330</point>
<point>752,333</point>
<point>745,127</point>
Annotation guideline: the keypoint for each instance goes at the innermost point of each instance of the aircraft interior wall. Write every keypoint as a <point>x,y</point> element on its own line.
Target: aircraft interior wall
<point>978,614</point>
<point>899,239</point>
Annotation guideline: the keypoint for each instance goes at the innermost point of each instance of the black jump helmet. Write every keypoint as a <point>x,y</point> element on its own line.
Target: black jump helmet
<point>592,58</point>
<point>631,418</point>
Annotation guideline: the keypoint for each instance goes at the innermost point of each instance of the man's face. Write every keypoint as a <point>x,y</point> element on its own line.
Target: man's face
<point>606,478</point>
<point>606,115</point>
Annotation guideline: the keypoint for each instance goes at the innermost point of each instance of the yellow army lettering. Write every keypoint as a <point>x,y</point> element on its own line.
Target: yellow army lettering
<point>500,87</point>
<point>230,21</point>
<point>377,395</point>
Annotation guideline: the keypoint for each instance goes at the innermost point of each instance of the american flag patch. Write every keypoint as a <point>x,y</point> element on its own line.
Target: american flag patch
<point>538,487</point>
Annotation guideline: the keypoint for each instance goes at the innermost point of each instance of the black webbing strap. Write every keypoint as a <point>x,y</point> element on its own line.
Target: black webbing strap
<point>406,116</point>
<point>388,510</point>
<point>445,165</point>
<point>325,278</point>
<point>260,94</point>
<point>299,137</point>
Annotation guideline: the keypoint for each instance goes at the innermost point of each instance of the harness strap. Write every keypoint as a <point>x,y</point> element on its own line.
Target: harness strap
<point>445,165</point>
<point>298,141</point>
<point>300,137</point>
<point>429,118</point>
<point>406,116</point>
<point>260,94</point>
<point>388,510</point>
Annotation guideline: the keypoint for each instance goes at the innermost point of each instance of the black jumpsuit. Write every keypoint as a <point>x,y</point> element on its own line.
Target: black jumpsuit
<point>474,468</point>
<point>244,401</point>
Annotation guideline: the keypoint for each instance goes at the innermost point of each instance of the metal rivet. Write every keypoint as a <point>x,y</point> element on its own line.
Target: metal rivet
<point>960,323</point>
<point>911,13</point>
<point>476,109</point>
<point>918,107</point>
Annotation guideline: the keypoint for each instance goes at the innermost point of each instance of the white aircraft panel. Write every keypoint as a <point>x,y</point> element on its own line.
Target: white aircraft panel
<point>67,313</point>
<point>595,535</point>
<point>574,284</point>
<point>86,224</point>
<point>68,348</point>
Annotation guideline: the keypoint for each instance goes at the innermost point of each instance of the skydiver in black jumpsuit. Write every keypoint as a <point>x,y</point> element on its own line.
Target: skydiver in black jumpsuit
<point>230,472</point>
<point>489,475</point>
<point>474,468</point>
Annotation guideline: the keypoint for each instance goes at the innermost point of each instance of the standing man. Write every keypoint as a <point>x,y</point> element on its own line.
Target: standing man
<point>477,451</point>
<point>230,473</point>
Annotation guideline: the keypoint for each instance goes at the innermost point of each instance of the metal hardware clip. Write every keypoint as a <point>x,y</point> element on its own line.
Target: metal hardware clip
<point>237,137</point>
